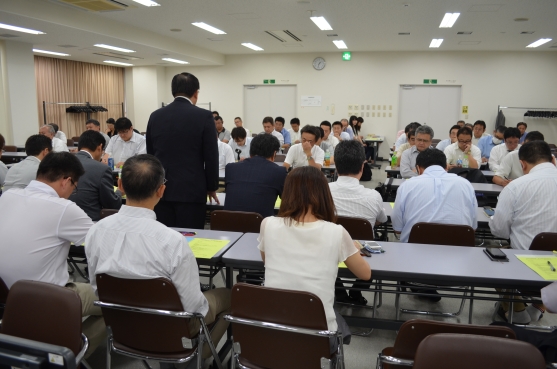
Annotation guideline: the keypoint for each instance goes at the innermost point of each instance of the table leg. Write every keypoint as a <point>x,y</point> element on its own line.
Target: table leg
<point>375,152</point>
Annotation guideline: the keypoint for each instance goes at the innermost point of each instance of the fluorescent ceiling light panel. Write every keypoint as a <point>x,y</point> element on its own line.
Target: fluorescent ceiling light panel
<point>449,20</point>
<point>209,28</point>
<point>436,42</point>
<point>340,44</point>
<point>175,61</point>
<point>49,52</point>
<point>540,42</point>
<point>322,23</point>
<point>21,29</point>
<point>118,63</point>
<point>115,48</point>
<point>147,2</point>
<point>252,46</point>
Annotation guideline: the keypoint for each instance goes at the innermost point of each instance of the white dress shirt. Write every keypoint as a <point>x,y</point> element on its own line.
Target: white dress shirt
<point>279,136</point>
<point>408,163</point>
<point>61,136</point>
<point>244,150</point>
<point>510,167</point>
<point>526,207</point>
<point>22,173</point>
<point>332,141</point>
<point>354,200</point>
<point>497,154</point>
<point>305,257</point>
<point>132,244</point>
<point>37,228</point>
<point>295,136</point>
<point>401,140</point>
<point>296,156</point>
<point>59,146</point>
<point>434,197</point>
<point>3,172</point>
<point>476,140</point>
<point>226,155</point>
<point>442,145</point>
<point>121,150</point>
<point>453,152</point>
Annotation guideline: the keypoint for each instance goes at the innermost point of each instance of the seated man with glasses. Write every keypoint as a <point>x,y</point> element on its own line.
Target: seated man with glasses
<point>306,152</point>
<point>125,144</point>
<point>463,149</point>
<point>423,139</point>
<point>132,244</point>
<point>38,224</point>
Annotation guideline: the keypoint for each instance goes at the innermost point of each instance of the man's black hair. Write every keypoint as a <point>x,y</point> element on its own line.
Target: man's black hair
<point>480,123</point>
<point>218,117</point>
<point>430,157</point>
<point>336,123</point>
<point>328,124</point>
<point>522,124</point>
<point>321,131</point>
<point>464,131</point>
<point>312,130</point>
<point>142,175</point>
<point>214,112</point>
<point>512,132</point>
<point>269,120</point>
<point>94,121</point>
<point>90,140</point>
<point>413,125</point>
<point>295,121</point>
<point>55,126</point>
<point>110,121</point>
<point>57,165</point>
<point>349,157</point>
<point>264,145</point>
<point>534,136</point>
<point>35,144</point>
<point>456,126</point>
<point>238,132</point>
<point>122,124</point>
<point>184,84</point>
<point>3,142</point>
<point>280,119</point>
<point>535,152</point>
<point>501,129</point>
<point>411,133</point>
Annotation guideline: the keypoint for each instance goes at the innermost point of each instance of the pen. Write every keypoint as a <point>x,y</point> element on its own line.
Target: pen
<point>551,266</point>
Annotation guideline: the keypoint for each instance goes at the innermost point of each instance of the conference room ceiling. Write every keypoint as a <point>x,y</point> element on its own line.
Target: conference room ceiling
<point>364,25</point>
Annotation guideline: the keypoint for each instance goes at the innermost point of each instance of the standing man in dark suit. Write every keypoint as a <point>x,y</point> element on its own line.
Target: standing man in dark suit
<point>95,190</point>
<point>253,184</point>
<point>182,137</point>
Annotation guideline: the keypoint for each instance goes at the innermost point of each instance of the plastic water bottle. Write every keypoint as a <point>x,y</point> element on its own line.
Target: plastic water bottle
<point>111,163</point>
<point>393,161</point>
<point>459,161</point>
<point>327,158</point>
<point>465,162</point>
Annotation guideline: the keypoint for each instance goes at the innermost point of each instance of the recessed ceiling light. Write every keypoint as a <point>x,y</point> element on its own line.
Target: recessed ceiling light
<point>464,33</point>
<point>209,28</point>
<point>49,52</point>
<point>21,29</point>
<point>175,61</point>
<point>118,63</point>
<point>340,44</point>
<point>448,20</point>
<point>147,2</point>
<point>115,48</point>
<point>540,42</point>
<point>252,46</point>
<point>436,42</point>
<point>322,23</point>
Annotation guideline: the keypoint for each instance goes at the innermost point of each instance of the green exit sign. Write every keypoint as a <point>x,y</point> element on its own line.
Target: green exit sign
<point>347,56</point>
<point>272,81</point>
<point>426,81</point>
<point>433,81</point>
<point>265,81</point>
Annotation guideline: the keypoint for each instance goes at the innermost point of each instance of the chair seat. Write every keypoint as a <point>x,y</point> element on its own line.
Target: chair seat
<point>158,356</point>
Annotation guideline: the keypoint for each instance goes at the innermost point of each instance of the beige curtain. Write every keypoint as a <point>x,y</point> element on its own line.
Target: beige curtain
<point>66,81</point>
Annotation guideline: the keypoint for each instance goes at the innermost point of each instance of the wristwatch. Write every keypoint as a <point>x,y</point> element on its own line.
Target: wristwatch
<point>310,157</point>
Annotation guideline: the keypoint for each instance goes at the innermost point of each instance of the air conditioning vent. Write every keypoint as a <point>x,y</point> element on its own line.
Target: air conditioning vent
<point>332,35</point>
<point>270,33</point>
<point>119,56</point>
<point>96,5</point>
<point>526,32</point>
<point>464,33</point>
<point>67,46</point>
<point>404,33</point>
<point>292,35</point>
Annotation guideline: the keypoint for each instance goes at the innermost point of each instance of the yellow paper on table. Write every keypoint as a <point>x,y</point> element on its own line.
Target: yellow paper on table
<point>392,205</point>
<point>539,264</point>
<point>278,202</point>
<point>205,248</point>
<point>342,265</point>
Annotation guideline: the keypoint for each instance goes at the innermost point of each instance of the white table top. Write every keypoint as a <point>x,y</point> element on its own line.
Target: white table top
<point>481,216</point>
<point>478,187</point>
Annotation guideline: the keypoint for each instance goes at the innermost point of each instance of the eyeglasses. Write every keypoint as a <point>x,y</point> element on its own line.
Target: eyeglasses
<point>74,192</point>
<point>164,181</point>
<point>421,140</point>
<point>310,141</point>
<point>464,142</point>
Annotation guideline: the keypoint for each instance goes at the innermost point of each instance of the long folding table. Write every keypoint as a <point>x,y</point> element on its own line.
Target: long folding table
<point>485,188</point>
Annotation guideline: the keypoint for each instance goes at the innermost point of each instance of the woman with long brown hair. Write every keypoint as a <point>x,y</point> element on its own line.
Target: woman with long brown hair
<point>302,246</point>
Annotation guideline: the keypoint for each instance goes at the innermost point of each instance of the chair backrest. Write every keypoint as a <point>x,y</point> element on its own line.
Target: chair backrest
<point>545,241</point>
<point>10,148</point>
<point>442,234</point>
<point>269,348</point>
<point>357,228</point>
<point>280,158</point>
<point>471,174</point>
<point>44,312</point>
<point>70,142</point>
<point>236,221</point>
<point>140,331</point>
<point>414,331</point>
<point>466,351</point>
<point>108,212</point>
<point>75,139</point>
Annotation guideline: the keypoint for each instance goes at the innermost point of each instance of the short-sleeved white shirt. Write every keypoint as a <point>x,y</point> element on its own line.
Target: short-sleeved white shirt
<point>226,156</point>
<point>453,152</point>
<point>297,158</point>
<point>497,155</point>
<point>305,257</point>
<point>121,150</point>
<point>510,167</point>
<point>244,150</point>
<point>59,146</point>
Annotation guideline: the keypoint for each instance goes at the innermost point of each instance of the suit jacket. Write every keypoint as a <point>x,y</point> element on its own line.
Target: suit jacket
<point>95,189</point>
<point>184,138</point>
<point>253,185</point>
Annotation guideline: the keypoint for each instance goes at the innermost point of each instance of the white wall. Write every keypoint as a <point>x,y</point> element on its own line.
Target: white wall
<point>488,79</point>
<point>19,116</point>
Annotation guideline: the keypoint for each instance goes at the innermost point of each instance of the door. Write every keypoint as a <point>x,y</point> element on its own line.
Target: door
<point>261,101</point>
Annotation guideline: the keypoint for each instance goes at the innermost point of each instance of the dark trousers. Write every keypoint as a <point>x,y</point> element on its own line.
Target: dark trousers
<point>370,150</point>
<point>181,214</point>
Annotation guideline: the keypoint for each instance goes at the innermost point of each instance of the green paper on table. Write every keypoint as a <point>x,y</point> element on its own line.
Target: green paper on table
<point>540,265</point>
<point>392,205</point>
<point>342,265</point>
<point>204,248</point>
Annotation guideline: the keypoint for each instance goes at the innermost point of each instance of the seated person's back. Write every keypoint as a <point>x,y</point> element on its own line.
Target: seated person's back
<point>22,173</point>
<point>253,184</point>
<point>435,196</point>
<point>96,187</point>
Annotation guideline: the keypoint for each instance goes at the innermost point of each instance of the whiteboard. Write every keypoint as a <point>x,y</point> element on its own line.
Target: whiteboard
<point>268,100</point>
<point>436,106</point>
